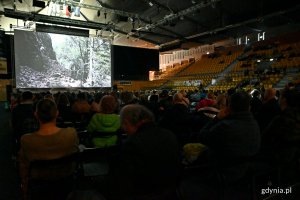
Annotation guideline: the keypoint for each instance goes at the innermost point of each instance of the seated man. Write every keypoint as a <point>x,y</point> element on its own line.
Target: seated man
<point>233,136</point>
<point>48,142</point>
<point>231,139</point>
<point>149,159</point>
<point>281,139</point>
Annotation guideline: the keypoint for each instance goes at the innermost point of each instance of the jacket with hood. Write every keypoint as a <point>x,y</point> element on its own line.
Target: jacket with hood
<point>104,123</point>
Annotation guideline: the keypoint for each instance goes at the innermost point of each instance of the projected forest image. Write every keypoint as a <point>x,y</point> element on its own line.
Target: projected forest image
<point>45,60</point>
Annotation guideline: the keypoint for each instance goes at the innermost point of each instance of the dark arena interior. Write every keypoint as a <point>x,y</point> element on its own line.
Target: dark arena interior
<point>149,100</point>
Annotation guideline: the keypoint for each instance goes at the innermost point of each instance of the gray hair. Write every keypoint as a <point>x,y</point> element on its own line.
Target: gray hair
<point>135,113</point>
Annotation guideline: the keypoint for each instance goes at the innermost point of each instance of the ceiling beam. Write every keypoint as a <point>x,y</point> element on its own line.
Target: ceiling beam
<point>97,7</point>
<point>164,29</point>
<point>231,26</point>
<point>52,19</point>
<point>138,37</point>
<point>177,15</point>
<point>169,9</point>
<point>156,34</point>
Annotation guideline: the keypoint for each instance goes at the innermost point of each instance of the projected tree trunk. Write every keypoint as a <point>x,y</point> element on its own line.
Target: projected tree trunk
<point>56,61</point>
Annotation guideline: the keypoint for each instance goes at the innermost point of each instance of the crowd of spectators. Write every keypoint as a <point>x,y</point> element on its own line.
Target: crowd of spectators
<point>236,127</point>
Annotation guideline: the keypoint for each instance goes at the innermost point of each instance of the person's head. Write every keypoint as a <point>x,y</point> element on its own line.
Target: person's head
<point>27,95</point>
<point>269,94</point>
<point>178,98</point>
<point>133,116</point>
<point>63,100</point>
<point>108,104</point>
<point>221,101</point>
<point>49,96</point>
<point>98,97</point>
<point>183,93</point>
<point>127,97</point>
<point>211,96</point>
<point>81,96</point>
<point>46,111</point>
<point>239,102</point>
<point>164,94</point>
<point>289,98</point>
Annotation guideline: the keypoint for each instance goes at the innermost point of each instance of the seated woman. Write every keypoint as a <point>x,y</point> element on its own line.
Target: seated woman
<point>81,110</point>
<point>47,143</point>
<point>104,125</point>
<point>64,108</point>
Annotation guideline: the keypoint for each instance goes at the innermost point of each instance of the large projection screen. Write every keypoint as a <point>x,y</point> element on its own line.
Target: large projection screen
<point>47,60</point>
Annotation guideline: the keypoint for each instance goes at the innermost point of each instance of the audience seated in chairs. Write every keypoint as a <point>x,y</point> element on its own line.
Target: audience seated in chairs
<point>233,135</point>
<point>104,125</point>
<point>148,164</point>
<point>47,143</point>
<point>232,138</point>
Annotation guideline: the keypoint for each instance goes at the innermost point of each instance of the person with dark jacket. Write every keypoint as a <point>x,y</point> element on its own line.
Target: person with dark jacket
<point>269,109</point>
<point>23,119</point>
<point>232,137</point>
<point>148,163</point>
<point>178,119</point>
<point>255,103</point>
<point>281,139</point>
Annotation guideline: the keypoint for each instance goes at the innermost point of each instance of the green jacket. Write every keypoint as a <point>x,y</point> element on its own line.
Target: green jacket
<point>104,123</point>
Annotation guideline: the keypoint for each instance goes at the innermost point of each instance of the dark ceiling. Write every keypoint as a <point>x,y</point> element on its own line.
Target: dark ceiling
<point>211,21</point>
<point>170,23</point>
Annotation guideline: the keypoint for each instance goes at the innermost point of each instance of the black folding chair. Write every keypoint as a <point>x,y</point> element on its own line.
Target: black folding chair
<point>53,179</point>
